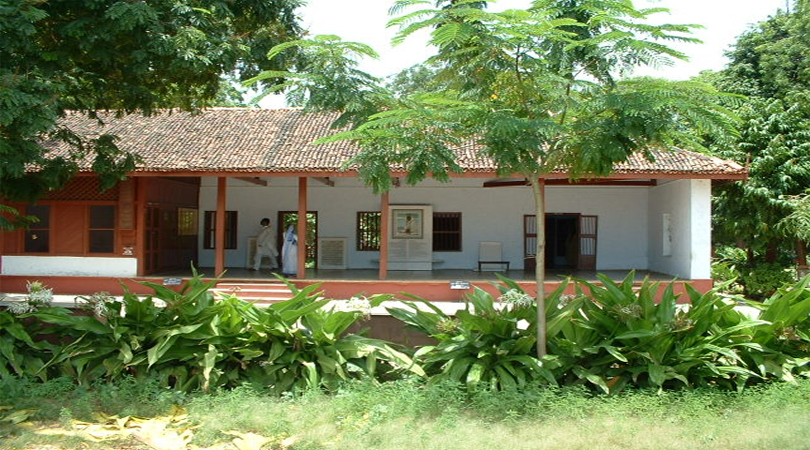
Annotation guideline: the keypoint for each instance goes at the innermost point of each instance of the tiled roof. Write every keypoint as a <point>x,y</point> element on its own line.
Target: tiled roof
<point>237,140</point>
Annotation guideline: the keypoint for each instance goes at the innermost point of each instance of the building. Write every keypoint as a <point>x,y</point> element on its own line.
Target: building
<point>205,181</point>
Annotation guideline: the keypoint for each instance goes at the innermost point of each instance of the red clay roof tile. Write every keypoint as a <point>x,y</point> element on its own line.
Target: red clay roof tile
<point>242,140</point>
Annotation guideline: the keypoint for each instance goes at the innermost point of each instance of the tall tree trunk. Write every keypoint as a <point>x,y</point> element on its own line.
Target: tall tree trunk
<point>801,254</point>
<point>770,251</point>
<point>539,190</point>
<point>801,259</point>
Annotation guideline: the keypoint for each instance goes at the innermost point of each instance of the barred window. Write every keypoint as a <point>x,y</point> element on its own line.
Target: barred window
<point>368,230</point>
<point>446,231</point>
<point>37,236</point>
<point>102,229</point>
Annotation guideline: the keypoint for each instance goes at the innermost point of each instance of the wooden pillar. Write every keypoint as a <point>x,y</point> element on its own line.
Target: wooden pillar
<point>140,224</point>
<point>384,224</point>
<point>801,259</point>
<point>302,227</point>
<point>219,238</point>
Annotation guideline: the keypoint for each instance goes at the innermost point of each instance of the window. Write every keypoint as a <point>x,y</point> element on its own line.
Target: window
<point>446,231</point>
<point>102,229</point>
<point>187,221</point>
<point>209,240</point>
<point>37,236</point>
<point>368,230</point>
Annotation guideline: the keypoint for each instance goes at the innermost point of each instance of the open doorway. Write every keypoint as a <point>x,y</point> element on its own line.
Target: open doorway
<point>570,241</point>
<point>561,241</point>
<point>287,218</point>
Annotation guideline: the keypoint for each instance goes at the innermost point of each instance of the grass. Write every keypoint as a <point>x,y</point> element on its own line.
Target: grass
<point>409,415</point>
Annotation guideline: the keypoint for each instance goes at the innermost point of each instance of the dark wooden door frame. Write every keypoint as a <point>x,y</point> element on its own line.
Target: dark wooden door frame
<point>584,241</point>
<point>312,249</point>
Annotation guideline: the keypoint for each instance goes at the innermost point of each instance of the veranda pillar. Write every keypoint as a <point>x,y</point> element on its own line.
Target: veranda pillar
<point>302,227</point>
<point>219,226</point>
<point>384,221</point>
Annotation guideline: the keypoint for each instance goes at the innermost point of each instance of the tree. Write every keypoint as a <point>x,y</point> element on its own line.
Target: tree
<point>775,143</point>
<point>419,78</point>
<point>768,65</point>
<point>534,90</point>
<point>115,55</point>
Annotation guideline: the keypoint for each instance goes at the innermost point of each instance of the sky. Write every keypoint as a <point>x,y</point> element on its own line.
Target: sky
<point>365,21</point>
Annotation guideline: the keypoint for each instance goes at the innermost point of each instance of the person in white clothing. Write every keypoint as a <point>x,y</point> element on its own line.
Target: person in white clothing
<point>265,246</point>
<point>289,253</point>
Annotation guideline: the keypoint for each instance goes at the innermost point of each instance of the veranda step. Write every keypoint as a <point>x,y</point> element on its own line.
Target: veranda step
<point>258,293</point>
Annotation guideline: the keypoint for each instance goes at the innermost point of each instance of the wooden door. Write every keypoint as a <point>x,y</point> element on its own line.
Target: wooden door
<point>529,242</point>
<point>287,218</point>
<point>151,240</point>
<point>587,242</point>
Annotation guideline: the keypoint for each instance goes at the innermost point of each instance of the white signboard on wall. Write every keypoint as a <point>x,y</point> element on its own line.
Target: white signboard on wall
<point>410,237</point>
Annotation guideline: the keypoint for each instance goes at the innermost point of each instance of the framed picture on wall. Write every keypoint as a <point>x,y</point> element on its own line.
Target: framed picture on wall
<point>406,223</point>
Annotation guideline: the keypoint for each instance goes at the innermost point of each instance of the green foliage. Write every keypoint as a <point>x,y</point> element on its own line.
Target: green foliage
<point>121,56</point>
<point>775,138</point>
<point>731,254</point>
<point>767,64</point>
<point>373,416</point>
<point>797,223</point>
<point>726,266</point>
<point>538,89</point>
<point>724,272</point>
<point>619,335</point>
<point>533,90</point>
<point>62,399</point>
<point>328,78</point>
<point>485,346</point>
<point>613,336</point>
<point>762,280</point>
<point>781,348</point>
<point>20,355</point>
<point>419,78</point>
<point>768,60</point>
<point>190,341</point>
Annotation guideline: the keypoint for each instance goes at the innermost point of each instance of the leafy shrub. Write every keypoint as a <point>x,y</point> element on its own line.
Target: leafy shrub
<point>485,345</point>
<point>780,348</point>
<point>19,355</point>
<point>22,353</point>
<point>192,342</point>
<point>735,255</point>
<point>611,336</point>
<point>618,335</point>
<point>724,272</point>
<point>762,280</point>
<point>608,336</point>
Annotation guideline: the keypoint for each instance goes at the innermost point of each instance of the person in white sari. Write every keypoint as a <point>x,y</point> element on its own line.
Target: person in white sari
<point>289,253</point>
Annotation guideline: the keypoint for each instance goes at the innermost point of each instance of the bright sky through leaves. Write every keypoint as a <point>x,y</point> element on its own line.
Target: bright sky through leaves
<point>364,21</point>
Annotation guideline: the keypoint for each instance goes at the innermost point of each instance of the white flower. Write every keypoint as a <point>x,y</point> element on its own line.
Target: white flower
<point>360,304</point>
<point>516,298</point>
<point>18,308</point>
<point>38,295</point>
<point>97,303</point>
<point>565,299</point>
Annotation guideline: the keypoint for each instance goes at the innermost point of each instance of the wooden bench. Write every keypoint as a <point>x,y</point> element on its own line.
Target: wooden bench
<point>502,263</point>
<point>376,261</point>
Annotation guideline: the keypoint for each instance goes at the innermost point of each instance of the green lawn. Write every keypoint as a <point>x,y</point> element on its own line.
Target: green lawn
<point>405,415</point>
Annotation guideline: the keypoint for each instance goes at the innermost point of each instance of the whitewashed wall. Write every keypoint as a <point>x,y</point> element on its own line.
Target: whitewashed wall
<point>688,204</point>
<point>69,266</point>
<point>488,214</point>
